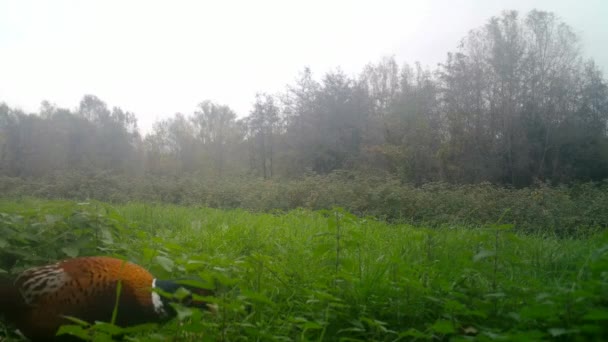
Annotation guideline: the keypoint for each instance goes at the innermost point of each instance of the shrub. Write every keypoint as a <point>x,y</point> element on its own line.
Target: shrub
<point>548,209</point>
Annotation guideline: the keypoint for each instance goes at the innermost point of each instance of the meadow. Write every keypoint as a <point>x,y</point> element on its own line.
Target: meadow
<point>327,275</point>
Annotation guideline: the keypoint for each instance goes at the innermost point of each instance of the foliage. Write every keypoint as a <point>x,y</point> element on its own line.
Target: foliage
<point>542,208</point>
<point>329,275</point>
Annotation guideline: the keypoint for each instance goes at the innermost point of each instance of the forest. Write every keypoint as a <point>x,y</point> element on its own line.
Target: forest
<point>464,201</point>
<point>515,105</point>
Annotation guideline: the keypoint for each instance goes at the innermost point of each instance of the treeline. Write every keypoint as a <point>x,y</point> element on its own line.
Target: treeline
<point>516,104</point>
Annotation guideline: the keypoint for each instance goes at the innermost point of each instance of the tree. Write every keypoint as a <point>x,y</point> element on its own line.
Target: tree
<point>509,96</point>
<point>301,106</point>
<point>381,81</point>
<point>412,129</point>
<point>326,121</point>
<point>216,129</point>
<point>171,147</point>
<point>263,124</point>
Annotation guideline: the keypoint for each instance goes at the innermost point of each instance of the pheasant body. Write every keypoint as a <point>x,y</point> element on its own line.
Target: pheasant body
<point>86,288</point>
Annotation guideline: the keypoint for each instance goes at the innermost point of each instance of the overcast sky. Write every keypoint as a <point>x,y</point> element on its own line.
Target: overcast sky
<point>156,58</point>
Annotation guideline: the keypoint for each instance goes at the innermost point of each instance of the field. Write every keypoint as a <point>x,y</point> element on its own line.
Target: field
<point>328,275</point>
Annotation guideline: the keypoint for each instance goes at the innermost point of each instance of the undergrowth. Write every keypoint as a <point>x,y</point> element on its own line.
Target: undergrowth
<point>329,275</point>
<point>561,210</point>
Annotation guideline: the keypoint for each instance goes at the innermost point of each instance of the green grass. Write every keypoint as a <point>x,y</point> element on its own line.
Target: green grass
<point>328,275</point>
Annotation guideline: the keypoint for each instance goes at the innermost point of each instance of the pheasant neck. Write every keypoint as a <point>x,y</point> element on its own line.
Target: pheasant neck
<point>157,301</point>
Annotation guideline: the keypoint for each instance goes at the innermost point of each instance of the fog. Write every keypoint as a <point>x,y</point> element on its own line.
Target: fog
<point>157,58</point>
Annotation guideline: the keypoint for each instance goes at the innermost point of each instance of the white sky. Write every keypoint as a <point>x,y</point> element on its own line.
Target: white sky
<point>156,58</point>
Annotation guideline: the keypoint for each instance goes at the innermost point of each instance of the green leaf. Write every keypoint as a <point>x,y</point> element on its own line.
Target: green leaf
<point>165,263</point>
<point>495,295</point>
<point>540,311</point>
<point>195,283</point>
<point>443,327</point>
<point>493,336</point>
<point>52,219</point>
<point>312,325</point>
<point>257,297</point>
<point>224,280</point>
<point>194,327</point>
<point>454,306</point>
<point>183,312</point>
<point>106,236</point>
<point>181,293</point>
<point>555,332</point>
<point>411,332</point>
<point>74,330</point>
<point>504,227</point>
<point>140,328</point>
<point>148,253</point>
<point>596,315</point>
<point>76,320</point>
<point>108,328</point>
<point>70,251</point>
<point>483,254</point>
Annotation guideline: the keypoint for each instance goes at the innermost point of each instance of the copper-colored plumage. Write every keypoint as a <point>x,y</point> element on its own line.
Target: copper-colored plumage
<point>39,298</point>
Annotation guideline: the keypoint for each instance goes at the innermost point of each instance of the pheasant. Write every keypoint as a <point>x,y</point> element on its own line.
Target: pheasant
<point>85,288</point>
